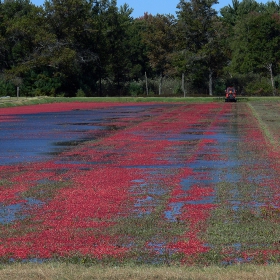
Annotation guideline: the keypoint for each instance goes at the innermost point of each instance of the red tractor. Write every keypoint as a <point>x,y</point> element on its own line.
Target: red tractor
<point>230,94</point>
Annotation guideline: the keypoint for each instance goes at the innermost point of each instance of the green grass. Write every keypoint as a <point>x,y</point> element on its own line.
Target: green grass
<point>242,227</point>
<point>14,101</point>
<point>237,226</point>
<point>268,117</point>
<point>63,271</point>
<point>5,183</point>
<point>263,125</point>
<point>150,229</point>
<point>44,191</point>
<point>42,100</point>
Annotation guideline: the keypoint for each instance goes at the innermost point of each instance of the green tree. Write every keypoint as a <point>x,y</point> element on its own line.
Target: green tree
<point>17,31</point>
<point>72,51</point>
<point>138,58</point>
<point>22,33</point>
<point>118,23</point>
<point>160,38</point>
<point>111,43</point>
<point>256,45</point>
<point>203,35</point>
<point>232,14</point>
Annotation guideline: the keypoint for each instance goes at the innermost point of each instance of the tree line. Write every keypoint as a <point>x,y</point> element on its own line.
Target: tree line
<point>95,48</point>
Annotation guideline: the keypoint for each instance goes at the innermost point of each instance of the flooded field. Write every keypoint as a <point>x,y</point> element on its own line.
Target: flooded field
<point>148,183</point>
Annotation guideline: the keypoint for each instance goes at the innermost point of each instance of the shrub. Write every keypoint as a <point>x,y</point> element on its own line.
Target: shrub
<point>259,87</point>
<point>80,93</point>
<point>7,88</point>
<point>219,87</point>
<point>135,88</point>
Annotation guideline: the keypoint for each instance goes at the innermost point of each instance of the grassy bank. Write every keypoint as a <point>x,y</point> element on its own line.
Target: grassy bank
<point>52,271</point>
<point>268,117</point>
<point>14,101</point>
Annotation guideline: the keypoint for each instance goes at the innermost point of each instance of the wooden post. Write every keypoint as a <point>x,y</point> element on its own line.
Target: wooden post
<point>160,84</point>
<point>146,78</point>
<point>269,67</point>
<point>210,82</point>
<point>17,93</point>
<point>183,84</point>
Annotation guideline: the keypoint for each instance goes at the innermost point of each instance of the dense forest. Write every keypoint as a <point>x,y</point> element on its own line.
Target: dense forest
<point>95,48</point>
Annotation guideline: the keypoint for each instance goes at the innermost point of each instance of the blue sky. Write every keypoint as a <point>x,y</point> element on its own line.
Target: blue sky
<point>153,6</point>
<point>160,6</point>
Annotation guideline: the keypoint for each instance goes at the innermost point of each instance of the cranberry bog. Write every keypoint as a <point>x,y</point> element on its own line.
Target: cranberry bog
<point>144,183</point>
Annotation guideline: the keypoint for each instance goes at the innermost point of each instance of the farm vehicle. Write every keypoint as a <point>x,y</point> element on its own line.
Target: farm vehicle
<point>230,94</point>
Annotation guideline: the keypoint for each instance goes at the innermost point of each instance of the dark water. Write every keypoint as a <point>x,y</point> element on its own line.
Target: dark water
<point>37,137</point>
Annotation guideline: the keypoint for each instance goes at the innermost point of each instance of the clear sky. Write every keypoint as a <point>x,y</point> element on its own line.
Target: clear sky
<point>154,6</point>
<point>160,6</point>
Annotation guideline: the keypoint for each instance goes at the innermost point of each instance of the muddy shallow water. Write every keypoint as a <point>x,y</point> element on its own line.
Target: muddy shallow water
<point>151,182</point>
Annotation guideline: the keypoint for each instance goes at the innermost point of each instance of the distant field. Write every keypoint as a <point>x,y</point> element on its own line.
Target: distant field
<point>144,184</point>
